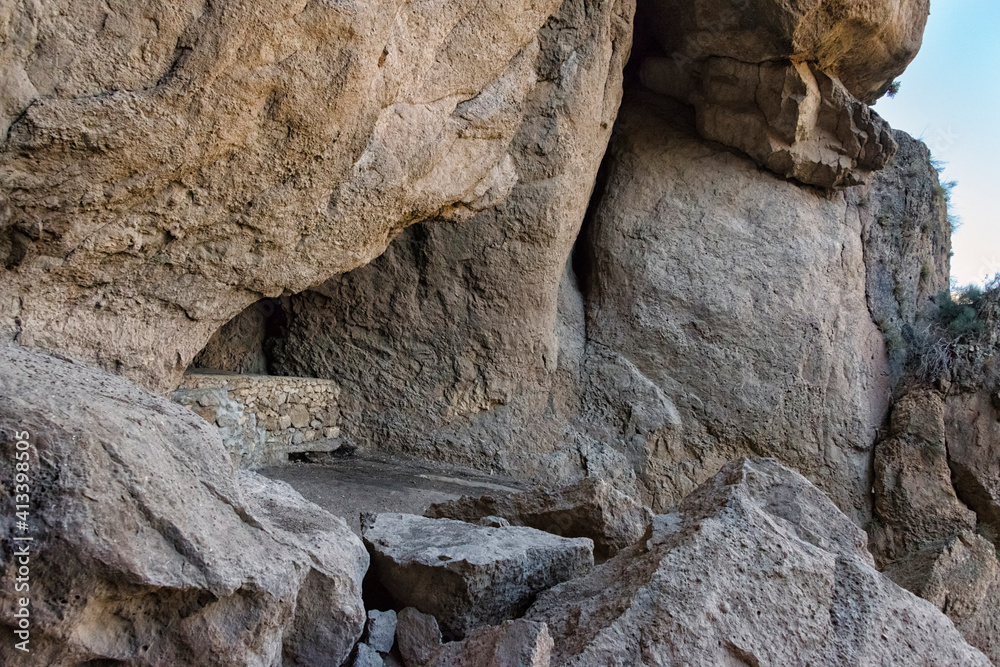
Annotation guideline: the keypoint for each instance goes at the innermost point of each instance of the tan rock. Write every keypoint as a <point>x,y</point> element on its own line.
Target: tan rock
<point>756,567</point>
<point>155,550</point>
<point>973,432</point>
<point>164,169</point>
<point>961,577</point>
<point>739,298</point>
<point>790,117</point>
<point>590,508</point>
<point>864,44</point>
<point>516,643</point>
<point>915,502</point>
<point>299,416</point>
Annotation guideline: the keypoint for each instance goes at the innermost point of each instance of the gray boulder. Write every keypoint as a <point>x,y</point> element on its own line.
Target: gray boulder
<point>417,636</point>
<point>756,567</point>
<point>149,548</point>
<point>590,508</point>
<point>366,656</point>
<point>380,630</point>
<point>468,576</point>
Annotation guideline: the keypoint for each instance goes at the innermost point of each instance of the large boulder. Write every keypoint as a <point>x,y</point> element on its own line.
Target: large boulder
<point>148,546</point>
<point>790,117</point>
<point>973,431</point>
<point>468,576</point>
<point>740,297</point>
<point>756,567</point>
<point>915,502</point>
<point>590,508</point>
<point>166,166</point>
<point>961,577</point>
<point>864,44</point>
<point>787,83</point>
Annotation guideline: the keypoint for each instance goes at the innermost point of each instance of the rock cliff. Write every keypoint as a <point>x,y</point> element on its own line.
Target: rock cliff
<point>606,240</point>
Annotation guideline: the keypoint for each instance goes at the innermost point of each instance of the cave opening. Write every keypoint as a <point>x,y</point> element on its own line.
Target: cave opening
<point>266,416</point>
<point>245,344</point>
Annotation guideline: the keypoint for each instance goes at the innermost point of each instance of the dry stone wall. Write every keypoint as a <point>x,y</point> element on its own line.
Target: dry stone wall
<point>265,418</point>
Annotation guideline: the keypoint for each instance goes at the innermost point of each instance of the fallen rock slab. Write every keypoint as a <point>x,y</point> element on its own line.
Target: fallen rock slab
<point>756,567</point>
<point>468,576</point>
<point>149,547</point>
<point>590,508</point>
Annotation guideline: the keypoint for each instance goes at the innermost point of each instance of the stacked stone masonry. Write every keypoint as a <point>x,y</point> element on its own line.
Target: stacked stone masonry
<point>284,415</point>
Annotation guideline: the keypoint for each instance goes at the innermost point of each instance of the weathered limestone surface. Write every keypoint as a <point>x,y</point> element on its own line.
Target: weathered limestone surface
<point>756,567</point>
<point>591,508</point>
<point>915,502</point>
<point>864,44</point>
<point>150,546</point>
<point>166,166</point>
<point>468,576</point>
<point>790,117</point>
<point>740,297</point>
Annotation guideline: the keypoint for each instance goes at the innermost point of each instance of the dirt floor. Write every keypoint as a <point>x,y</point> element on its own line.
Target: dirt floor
<point>349,486</point>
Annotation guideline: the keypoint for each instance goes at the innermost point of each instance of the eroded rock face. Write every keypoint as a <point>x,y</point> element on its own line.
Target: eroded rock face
<point>460,340</point>
<point>468,576</point>
<point>915,502</point>
<point>150,547</point>
<point>973,433</point>
<point>787,83</point>
<point>756,567</point>
<point>591,508</point>
<point>961,577</point>
<point>166,166</point>
<point>790,117</point>
<point>864,44</point>
<point>741,298</point>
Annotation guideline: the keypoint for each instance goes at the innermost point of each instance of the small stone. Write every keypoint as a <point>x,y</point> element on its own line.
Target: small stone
<point>208,414</point>
<point>315,423</point>
<point>300,416</point>
<point>380,630</point>
<point>284,421</point>
<point>418,637</point>
<point>366,656</point>
<point>331,432</point>
<point>209,399</point>
<point>297,438</point>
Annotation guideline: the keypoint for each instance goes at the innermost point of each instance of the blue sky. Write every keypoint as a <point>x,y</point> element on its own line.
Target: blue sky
<point>950,98</point>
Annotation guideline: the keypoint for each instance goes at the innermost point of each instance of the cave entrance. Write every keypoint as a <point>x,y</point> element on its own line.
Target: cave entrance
<point>264,418</point>
<point>245,343</point>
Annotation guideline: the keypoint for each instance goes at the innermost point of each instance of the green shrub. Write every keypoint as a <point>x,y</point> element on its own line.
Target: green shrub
<point>957,313</point>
